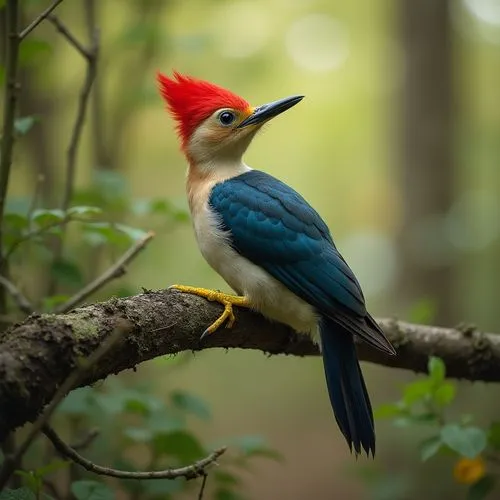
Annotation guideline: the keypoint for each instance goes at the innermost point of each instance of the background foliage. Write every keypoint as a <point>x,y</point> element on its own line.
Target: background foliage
<point>341,149</point>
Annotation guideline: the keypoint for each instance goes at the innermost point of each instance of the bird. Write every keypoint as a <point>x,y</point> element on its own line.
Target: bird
<point>269,244</point>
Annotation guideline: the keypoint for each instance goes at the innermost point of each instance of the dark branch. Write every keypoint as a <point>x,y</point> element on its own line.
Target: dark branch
<point>39,354</point>
<point>11,90</point>
<point>21,301</point>
<point>189,471</point>
<point>90,55</point>
<point>71,39</point>
<point>43,15</point>
<point>82,368</point>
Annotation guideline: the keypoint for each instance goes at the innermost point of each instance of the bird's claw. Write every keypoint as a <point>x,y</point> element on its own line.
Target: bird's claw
<point>228,301</point>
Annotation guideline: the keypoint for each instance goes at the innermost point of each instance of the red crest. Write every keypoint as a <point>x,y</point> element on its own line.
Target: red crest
<point>190,101</point>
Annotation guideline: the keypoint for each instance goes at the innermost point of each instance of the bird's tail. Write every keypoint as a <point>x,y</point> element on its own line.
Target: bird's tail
<point>346,387</point>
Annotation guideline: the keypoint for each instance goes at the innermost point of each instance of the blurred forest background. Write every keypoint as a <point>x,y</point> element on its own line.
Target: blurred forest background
<point>396,145</point>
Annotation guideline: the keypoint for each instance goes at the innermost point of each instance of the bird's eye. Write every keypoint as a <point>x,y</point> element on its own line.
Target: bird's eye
<point>226,118</point>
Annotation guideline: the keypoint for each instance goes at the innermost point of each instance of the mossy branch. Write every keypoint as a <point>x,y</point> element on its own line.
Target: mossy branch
<point>37,355</point>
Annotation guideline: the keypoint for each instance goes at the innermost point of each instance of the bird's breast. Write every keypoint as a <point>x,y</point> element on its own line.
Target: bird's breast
<point>266,294</point>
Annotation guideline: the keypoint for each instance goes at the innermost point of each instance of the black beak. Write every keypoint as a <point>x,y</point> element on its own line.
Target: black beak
<point>270,110</point>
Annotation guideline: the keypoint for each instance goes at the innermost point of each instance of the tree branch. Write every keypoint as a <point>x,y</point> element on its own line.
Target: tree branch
<point>82,367</point>
<point>90,55</point>
<point>11,90</point>
<point>72,40</point>
<point>39,354</point>
<point>115,271</point>
<point>21,301</point>
<point>192,471</point>
<point>43,15</point>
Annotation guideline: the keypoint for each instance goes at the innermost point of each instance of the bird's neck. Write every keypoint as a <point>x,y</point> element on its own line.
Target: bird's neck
<point>202,177</point>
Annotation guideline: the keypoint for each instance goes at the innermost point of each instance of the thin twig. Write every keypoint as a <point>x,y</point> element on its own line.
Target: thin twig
<point>91,56</point>
<point>22,302</point>
<point>37,232</point>
<point>115,271</point>
<point>64,30</point>
<point>71,382</point>
<point>202,489</point>
<point>192,471</point>
<point>43,15</point>
<point>80,120</point>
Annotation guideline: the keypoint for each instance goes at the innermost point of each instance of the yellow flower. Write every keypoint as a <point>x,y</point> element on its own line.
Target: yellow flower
<point>469,470</point>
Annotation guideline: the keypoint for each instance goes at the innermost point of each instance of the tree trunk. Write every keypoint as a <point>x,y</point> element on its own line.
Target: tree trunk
<point>425,155</point>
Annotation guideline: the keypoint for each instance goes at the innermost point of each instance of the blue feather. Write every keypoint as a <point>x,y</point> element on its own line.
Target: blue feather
<point>346,388</point>
<point>276,229</point>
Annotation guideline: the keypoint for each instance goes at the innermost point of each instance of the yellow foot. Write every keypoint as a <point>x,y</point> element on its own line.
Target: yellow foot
<point>228,301</point>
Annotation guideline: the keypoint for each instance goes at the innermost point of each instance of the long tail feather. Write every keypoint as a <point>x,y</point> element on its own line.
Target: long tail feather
<point>346,387</point>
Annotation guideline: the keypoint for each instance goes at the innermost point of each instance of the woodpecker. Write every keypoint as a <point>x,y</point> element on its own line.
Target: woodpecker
<point>269,244</point>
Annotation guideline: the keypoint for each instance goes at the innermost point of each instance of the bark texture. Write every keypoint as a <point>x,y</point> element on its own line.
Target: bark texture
<point>36,356</point>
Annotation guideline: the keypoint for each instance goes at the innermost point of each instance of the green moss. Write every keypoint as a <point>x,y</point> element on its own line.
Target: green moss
<point>48,318</point>
<point>83,325</point>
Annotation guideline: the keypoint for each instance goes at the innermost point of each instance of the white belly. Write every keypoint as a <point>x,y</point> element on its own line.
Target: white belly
<point>266,294</point>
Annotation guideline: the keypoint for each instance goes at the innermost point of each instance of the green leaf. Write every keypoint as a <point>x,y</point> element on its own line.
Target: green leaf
<point>141,403</point>
<point>114,233</point>
<point>416,418</point>
<point>19,494</point>
<point>444,394</point>
<point>430,447</point>
<point>160,487</point>
<point>67,272</point>
<point>390,410</point>
<point>15,221</point>
<point>161,422</point>
<point>92,490</point>
<point>423,311</point>
<point>49,303</point>
<point>133,233</point>
<point>52,467</point>
<point>84,212</point>
<point>467,441</point>
<point>418,391</point>
<point>33,50</point>
<point>30,480</point>
<point>494,435</point>
<point>43,217</point>
<point>480,489</point>
<point>23,125</point>
<point>179,444</point>
<point>252,446</point>
<point>160,206</point>
<point>2,71</point>
<point>437,369</point>
<point>190,404</point>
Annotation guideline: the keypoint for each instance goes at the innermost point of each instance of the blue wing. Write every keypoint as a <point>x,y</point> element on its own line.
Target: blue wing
<point>276,229</point>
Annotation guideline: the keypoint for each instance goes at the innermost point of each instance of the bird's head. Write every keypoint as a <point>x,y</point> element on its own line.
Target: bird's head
<point>213,123</point>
